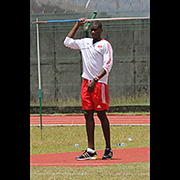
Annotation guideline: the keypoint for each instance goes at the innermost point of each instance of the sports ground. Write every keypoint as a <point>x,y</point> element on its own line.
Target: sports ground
<point>121,156</point>
<point>47,163</point>
<point>114,119</point>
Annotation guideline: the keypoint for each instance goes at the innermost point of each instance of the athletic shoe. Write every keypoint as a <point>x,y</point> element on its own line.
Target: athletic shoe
<point>108,154</point>
<point>87,156</point>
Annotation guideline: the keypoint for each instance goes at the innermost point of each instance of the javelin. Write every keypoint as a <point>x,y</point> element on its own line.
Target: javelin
<point>89,20</point>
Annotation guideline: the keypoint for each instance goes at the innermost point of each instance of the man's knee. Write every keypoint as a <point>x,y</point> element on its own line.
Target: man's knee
<point>88,113</point>
<point>101,114</point>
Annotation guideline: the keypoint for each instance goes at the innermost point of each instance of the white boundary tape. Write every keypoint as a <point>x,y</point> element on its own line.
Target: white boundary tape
<point>34,125</point>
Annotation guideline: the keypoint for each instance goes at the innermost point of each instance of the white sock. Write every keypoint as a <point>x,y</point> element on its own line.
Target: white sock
<point>90,150</point>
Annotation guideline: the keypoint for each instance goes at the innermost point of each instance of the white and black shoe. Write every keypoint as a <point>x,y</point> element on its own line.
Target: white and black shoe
<point>108,154</point>
<point>87,156</point>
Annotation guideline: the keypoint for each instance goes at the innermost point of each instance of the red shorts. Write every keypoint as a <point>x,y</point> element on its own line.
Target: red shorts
<point>97,100</point>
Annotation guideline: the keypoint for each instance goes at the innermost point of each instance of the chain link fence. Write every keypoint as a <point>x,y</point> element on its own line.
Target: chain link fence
<point>61,67</point>
<point>113,7</point>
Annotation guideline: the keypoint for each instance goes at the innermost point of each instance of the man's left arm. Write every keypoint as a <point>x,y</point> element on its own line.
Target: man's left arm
<point>92,83</point>
<point>107,65</point>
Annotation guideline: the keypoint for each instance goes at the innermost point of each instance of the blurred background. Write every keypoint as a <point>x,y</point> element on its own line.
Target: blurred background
<point>61,67</point>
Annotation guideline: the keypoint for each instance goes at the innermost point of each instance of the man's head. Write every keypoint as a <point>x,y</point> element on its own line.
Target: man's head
<point>96,29</point>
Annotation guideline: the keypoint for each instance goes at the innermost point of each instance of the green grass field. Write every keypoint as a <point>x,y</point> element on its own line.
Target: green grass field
<point>118,101</point>
<point>62,139</point>
<point>137,171</point>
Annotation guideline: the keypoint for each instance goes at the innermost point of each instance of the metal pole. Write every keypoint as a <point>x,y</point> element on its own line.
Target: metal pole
<point>39,75</point>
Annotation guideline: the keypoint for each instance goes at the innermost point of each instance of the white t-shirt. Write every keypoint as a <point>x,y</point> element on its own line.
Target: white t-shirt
<point>94,56</point>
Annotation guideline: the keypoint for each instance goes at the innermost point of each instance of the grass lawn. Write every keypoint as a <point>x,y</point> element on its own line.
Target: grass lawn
<point>62,139</point>
<point>117,101</point>
<point>136,171</point>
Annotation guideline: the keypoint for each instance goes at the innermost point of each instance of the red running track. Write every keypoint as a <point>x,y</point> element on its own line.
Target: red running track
<point>120,156</point>
<point>60,120</point>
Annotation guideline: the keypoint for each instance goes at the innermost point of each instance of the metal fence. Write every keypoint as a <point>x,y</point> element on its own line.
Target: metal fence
<point>116,7</point>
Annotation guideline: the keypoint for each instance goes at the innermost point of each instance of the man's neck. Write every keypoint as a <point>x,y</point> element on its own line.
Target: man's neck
<point>96,40</point>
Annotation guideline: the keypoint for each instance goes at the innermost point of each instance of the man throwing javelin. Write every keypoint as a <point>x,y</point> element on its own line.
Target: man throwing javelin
<point>97,57</point>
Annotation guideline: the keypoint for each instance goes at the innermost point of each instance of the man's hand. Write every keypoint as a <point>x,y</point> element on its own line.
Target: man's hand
<point>91,86</point>
<point>81,22</point>
<point>75,28</point>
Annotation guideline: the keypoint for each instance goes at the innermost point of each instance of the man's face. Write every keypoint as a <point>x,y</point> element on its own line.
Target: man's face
<point>95,31</point>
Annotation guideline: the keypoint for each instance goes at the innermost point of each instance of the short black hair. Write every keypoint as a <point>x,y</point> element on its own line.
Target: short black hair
<point>97,23</point>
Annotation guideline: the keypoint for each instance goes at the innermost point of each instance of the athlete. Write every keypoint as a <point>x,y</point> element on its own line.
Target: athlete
<point>97,57</point>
